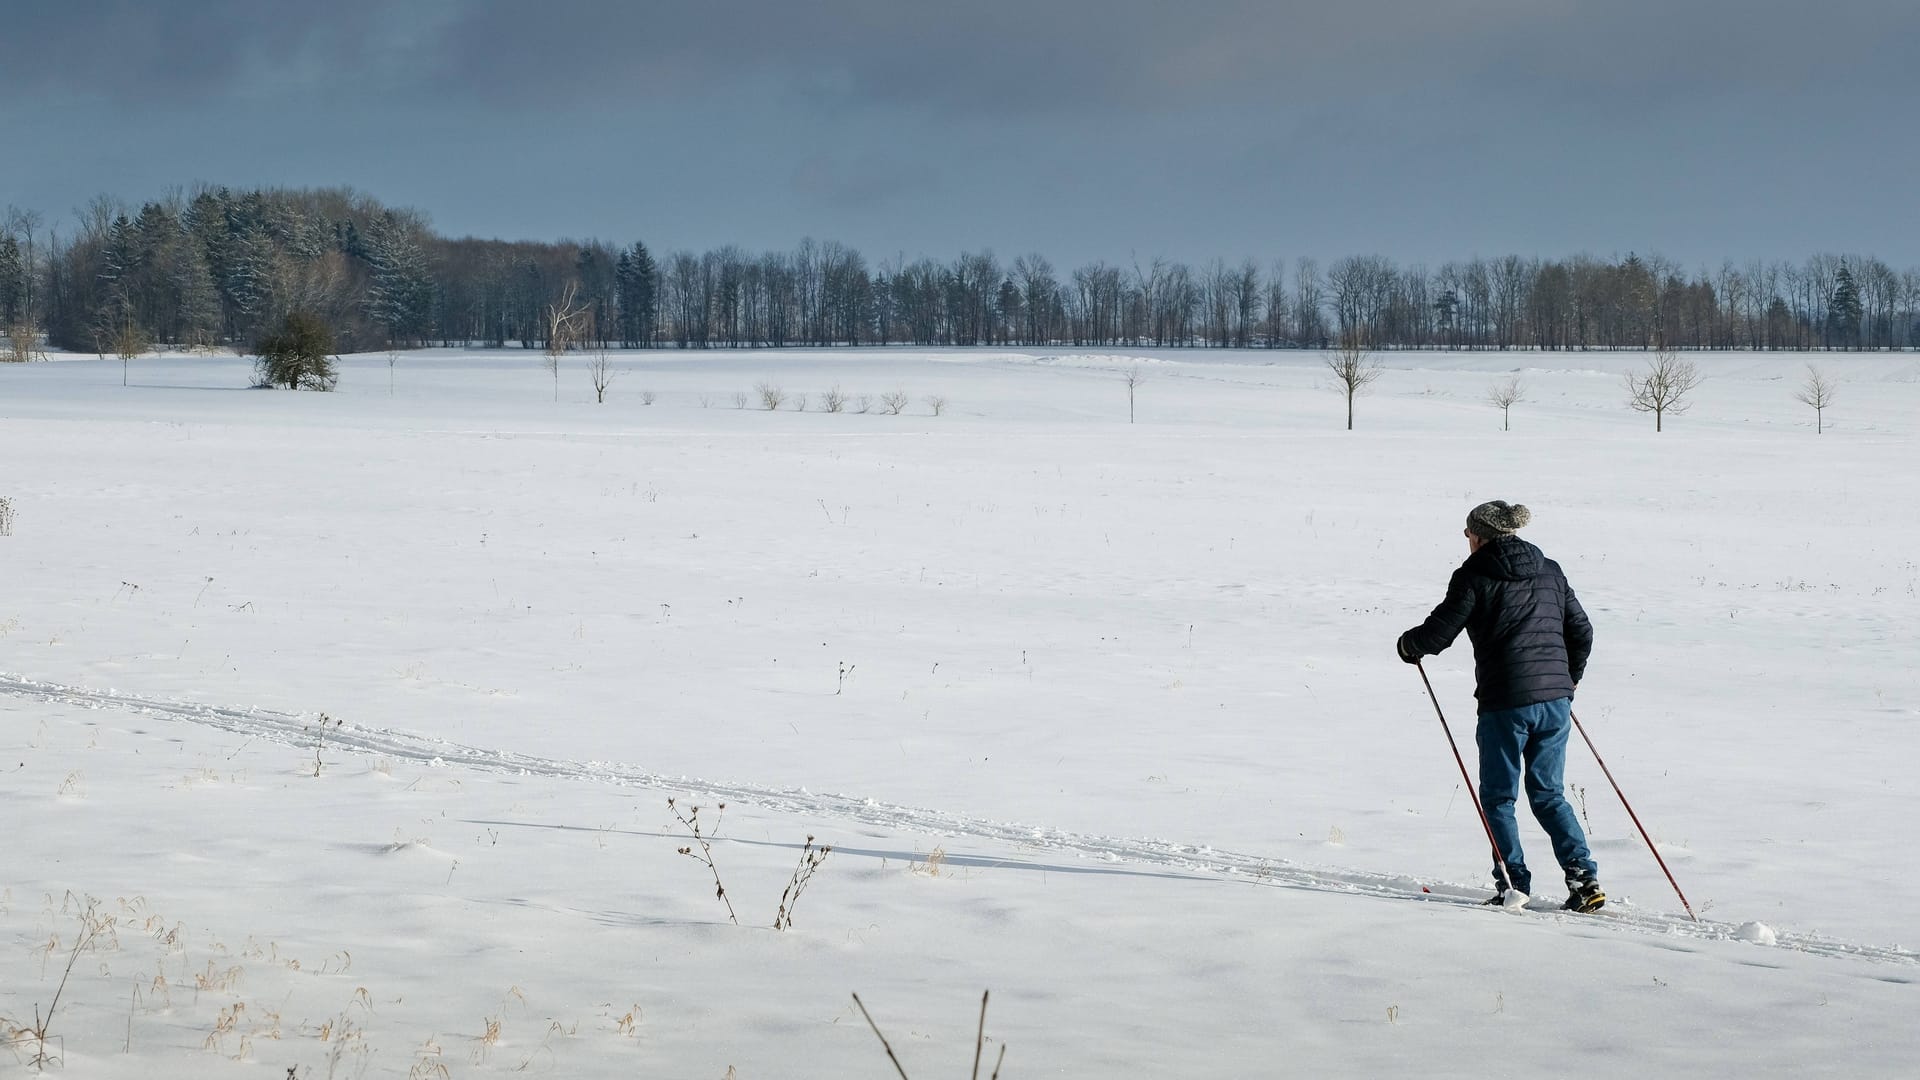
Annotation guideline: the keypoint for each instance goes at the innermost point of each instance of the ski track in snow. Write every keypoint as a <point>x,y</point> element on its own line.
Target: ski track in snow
<point>298,729</point>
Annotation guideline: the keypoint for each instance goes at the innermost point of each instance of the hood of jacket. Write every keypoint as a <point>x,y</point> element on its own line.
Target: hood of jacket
<point>1507,559</point>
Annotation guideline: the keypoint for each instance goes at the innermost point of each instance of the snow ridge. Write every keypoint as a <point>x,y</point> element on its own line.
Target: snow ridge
<point>298,729</point>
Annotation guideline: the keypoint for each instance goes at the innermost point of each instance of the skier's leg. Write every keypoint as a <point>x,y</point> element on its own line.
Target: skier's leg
<point>1502,739</point>
<point>1546,759</point>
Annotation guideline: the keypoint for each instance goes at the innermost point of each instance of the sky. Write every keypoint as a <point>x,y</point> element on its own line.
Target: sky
<point>1424,130</point>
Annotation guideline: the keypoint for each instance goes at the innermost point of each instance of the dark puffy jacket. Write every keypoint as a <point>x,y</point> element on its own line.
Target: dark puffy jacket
<point>1530,636</point>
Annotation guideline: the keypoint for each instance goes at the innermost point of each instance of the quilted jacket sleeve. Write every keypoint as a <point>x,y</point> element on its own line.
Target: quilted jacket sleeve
<point>1446,622</point>
<point>1579,633</point>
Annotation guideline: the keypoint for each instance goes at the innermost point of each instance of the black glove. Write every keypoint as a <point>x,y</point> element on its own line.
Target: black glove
<point>1406,655</point>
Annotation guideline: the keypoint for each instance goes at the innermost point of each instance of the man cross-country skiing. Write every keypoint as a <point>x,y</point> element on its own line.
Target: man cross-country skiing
<point>1530,645</point>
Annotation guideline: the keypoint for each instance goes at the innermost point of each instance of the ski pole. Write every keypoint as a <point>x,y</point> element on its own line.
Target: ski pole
<point>1636,817</point>
<point>1498,859</point>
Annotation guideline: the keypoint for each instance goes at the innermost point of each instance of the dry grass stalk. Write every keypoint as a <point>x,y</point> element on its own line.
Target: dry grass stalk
<point>897,1067</point>
<point>92,927</point>
<point>979,1043</point>
<point>810,860</point>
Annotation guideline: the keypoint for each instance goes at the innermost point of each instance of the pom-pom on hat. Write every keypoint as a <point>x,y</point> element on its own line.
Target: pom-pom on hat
<point>1493,520</point>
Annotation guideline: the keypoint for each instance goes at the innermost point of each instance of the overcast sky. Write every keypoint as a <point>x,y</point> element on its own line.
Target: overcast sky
<point>1081,129</point>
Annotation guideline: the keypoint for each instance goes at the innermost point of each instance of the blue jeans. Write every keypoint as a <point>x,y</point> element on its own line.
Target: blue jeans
<point>1530,743</point>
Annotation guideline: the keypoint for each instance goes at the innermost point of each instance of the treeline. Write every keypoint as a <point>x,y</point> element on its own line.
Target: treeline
<point>217,266</point>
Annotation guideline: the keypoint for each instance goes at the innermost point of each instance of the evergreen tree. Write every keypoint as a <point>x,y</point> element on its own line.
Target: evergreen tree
<point>637,280</point>
<point>622,275</point>
<point>191,280</point>
<point>13,283</point>
<point>114,317</point>
<point>205,222</point>
<point>400,287</point>
<point>599,288</point>
<point>250,278</point>
<point>1844,310</point>
<point>1445,309</point>
<point>1779,326</point>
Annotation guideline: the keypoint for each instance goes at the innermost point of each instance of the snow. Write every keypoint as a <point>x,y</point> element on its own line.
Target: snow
<point>1102,717</point>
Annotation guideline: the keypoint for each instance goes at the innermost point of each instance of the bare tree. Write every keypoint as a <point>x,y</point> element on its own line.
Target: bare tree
<point>937,402</point>
<point>602,371</point>
<point>1663,387</point>
<point>834,400</point>
<point>1354,369</point>
<point>1818,392</point>
<point>393,359</point>
<point>22,344</point>
<point>1504,395</point>
<point>894,401</point>
<point>771,396</point>
<point>566,326</point>
<point>129,341</point>
<point>1133,377</point>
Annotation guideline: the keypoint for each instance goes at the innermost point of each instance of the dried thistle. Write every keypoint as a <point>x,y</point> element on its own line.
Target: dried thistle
<point>690,821</point>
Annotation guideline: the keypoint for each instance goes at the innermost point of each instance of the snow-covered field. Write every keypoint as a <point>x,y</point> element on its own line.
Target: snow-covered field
<point>357,715</point>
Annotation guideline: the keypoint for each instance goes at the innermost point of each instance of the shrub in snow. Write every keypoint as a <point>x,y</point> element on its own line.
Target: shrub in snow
<point>297,356</point>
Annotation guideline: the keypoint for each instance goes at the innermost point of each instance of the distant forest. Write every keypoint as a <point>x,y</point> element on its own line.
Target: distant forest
<point>216,267</point>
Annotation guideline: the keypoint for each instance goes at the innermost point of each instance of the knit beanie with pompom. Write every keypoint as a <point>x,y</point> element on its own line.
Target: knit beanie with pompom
<point>1493,520</point>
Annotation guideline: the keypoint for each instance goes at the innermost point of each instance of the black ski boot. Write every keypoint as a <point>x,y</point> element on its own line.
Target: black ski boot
<point>1584,895</point>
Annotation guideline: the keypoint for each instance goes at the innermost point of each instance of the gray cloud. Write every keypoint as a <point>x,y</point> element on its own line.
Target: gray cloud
<point>168,52</point>
<point>993,57</point>
<point>1070,126</point>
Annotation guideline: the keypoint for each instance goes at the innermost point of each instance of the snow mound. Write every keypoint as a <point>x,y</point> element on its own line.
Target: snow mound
<point>1757,932</point>
<point>1514,900</point>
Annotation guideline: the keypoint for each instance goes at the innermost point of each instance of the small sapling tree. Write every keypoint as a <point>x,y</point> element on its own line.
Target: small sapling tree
<point>1505,394</point>
<point>1354,369</point>
<point>1133,377</point>
<point>601,370</point>
<point>568,321</point>
<point>1663,387</point>
<point>22,343</point>
<point>1817,392</point>
<point>129,343</point>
